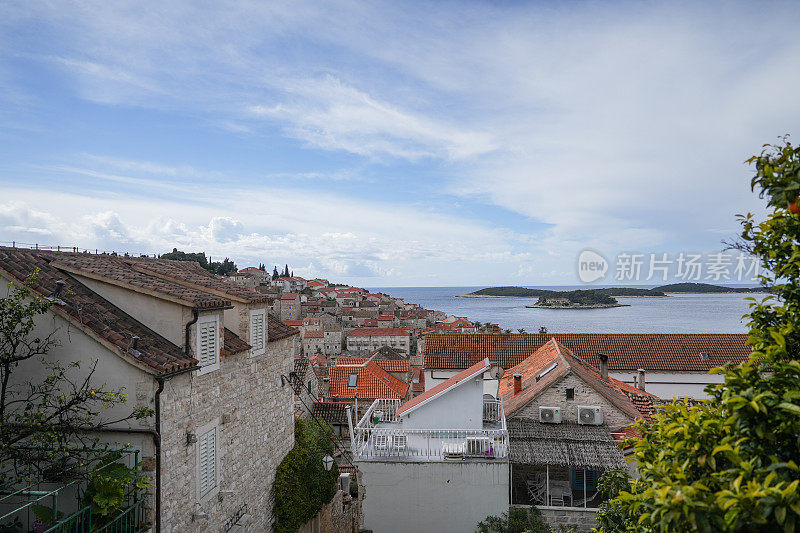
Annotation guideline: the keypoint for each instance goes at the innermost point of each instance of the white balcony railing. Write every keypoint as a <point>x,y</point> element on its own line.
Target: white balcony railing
<point>379,435</point>
<point>442,444</point>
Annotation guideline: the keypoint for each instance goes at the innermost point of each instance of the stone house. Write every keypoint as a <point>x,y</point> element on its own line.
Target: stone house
<point>288,306</point>
<point>563,416</point>
<point>313,342</point>
<point>204,354</point>
<point>369,339</point>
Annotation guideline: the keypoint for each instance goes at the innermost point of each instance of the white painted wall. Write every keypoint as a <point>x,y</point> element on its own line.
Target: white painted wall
<point>434,377</point>
<point>436,497</point>
<point>666,385</point>
<point>162,316</point>
<point>670,385</point>
<point>458,408</point>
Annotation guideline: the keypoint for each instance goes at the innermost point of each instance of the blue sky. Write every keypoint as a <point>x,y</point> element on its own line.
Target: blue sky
<point>397,143</point>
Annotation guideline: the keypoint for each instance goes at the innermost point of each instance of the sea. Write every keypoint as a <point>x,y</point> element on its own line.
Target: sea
<point>676,313</point>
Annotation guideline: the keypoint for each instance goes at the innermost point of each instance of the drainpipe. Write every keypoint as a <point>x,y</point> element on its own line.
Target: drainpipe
<point>195,316</point>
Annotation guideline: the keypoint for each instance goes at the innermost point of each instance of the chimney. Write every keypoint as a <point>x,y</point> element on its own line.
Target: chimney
<point>640,380</point>
<point>517,384</point>
<point>603,366</point>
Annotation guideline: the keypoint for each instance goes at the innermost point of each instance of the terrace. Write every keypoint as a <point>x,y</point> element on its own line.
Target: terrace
<point>380,436</point>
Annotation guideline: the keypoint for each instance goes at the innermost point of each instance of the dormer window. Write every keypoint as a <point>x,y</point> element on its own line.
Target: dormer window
<point>352,381</point>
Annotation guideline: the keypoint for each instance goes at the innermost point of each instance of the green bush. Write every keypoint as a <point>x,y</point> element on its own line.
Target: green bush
<point>302,485</point>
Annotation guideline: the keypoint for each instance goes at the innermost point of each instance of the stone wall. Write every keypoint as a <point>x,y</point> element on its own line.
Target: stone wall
<point>254,419</point>
<point>556,396</point>
<point>584,519</point>
<point>339,516</point>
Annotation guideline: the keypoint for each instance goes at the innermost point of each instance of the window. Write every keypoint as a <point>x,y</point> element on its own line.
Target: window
<point>258,331</point>
<point>208,343</point>
<point>570,394</point>
<point>207,462</point>
<point>578,476</point>
<point>352,381</point>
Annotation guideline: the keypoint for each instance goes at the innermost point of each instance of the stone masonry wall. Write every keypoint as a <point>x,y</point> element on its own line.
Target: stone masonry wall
<point>253,415</point>
<point>583,519</point>
<point>556,396</point>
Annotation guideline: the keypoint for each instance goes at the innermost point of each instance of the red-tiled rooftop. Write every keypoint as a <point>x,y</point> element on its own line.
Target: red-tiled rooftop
<point>314,334</point>
<point>277,330</point>
<point>390,365</point>
<point>626,351</point>
<point>374,332</point>
<point>87,309</point>
<point>373,382</point>
<point>558,362</point>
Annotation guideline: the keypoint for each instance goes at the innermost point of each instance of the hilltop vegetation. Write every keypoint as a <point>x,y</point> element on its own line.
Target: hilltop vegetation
<point>523,292</point>
<point>705,288</point>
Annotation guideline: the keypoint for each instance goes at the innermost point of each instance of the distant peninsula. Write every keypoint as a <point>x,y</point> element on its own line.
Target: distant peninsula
<point>706,288</point>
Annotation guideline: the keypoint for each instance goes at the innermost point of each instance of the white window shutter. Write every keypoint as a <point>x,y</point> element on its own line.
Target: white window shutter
<point>207,450</point>
<point>257,331</point>
<point>208,343</point>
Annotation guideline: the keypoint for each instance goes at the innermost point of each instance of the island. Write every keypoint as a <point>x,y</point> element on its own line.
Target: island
<point>704,288</point>
<point>580,299</point>
<point>524,292</point>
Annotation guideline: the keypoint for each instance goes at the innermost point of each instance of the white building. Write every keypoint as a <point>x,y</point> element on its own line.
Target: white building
<point>438,462</point>
<point>370,339</point>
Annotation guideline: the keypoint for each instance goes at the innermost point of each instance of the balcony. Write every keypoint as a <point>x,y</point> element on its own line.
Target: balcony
<point>379,436</point>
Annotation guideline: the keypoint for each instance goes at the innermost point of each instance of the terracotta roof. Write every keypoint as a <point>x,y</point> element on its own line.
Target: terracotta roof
<point>330,412</point>
<point>277,330</point>
<point>293,323</point>
<point>95,313</point>
<point>314,335</point>
<point>119,271</point>
<point>233,344</point>
<point>300,369</point>
<point>373,382</point>
<point>374,332</point>
<point>290,296</point>
<point>478,368</point>
<point>190,274</point>
<point>552,362</point>
<point>390,365</point>
<point>626,351</point>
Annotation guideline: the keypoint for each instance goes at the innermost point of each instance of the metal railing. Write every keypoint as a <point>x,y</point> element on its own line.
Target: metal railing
<point>431,443</point>
<point>381,411</point>
<point>492,410</point>
<point>58,500</point>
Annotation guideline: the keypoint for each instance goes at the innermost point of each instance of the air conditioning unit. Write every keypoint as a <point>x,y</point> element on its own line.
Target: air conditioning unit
<point>549,415</point>
<point>478,446</point>
<point>590,415</point>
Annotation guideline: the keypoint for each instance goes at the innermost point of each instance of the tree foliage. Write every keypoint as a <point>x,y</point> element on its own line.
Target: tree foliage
<point>519,520</point>
<point>302,485</point>
<point>731,463</point>
<point>226,267</point>
<point>46,426</point>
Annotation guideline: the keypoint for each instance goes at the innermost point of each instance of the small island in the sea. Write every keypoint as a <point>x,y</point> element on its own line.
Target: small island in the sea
<point>705,288</point>
<point>577,299</point>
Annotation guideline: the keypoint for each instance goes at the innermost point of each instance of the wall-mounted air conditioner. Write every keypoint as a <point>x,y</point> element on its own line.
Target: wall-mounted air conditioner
<point>590,415</point>
<point>549,415</point>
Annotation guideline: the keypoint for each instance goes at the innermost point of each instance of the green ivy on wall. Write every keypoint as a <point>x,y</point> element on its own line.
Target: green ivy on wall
<point>302,485</point>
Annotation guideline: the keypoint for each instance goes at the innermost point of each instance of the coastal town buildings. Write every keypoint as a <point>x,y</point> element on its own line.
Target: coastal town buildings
<point>668,365</point>
<point>368,339</point>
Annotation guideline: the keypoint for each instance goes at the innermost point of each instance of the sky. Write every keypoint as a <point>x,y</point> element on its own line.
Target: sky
<point>391,143</point>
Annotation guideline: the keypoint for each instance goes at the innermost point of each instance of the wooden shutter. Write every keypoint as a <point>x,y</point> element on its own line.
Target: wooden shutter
<point>257,331</point>
<point>207,451</point>
<point>207,334</point>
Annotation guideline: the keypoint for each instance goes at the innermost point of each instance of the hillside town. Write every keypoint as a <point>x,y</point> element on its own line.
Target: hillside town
<point>414,398</point>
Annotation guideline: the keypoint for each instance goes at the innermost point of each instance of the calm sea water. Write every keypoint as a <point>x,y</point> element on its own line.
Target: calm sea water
<point>677,313</point>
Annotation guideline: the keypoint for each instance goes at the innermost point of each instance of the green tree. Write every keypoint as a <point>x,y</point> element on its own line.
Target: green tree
<point>302,485</point>
<point>45,424</point>
<point>731,463</point>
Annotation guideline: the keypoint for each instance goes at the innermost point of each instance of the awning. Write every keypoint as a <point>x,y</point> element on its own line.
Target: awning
<point>534,443</point>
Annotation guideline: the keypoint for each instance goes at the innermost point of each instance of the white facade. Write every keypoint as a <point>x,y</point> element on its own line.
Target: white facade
<point>436,497</point>
<point>665,385</point>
